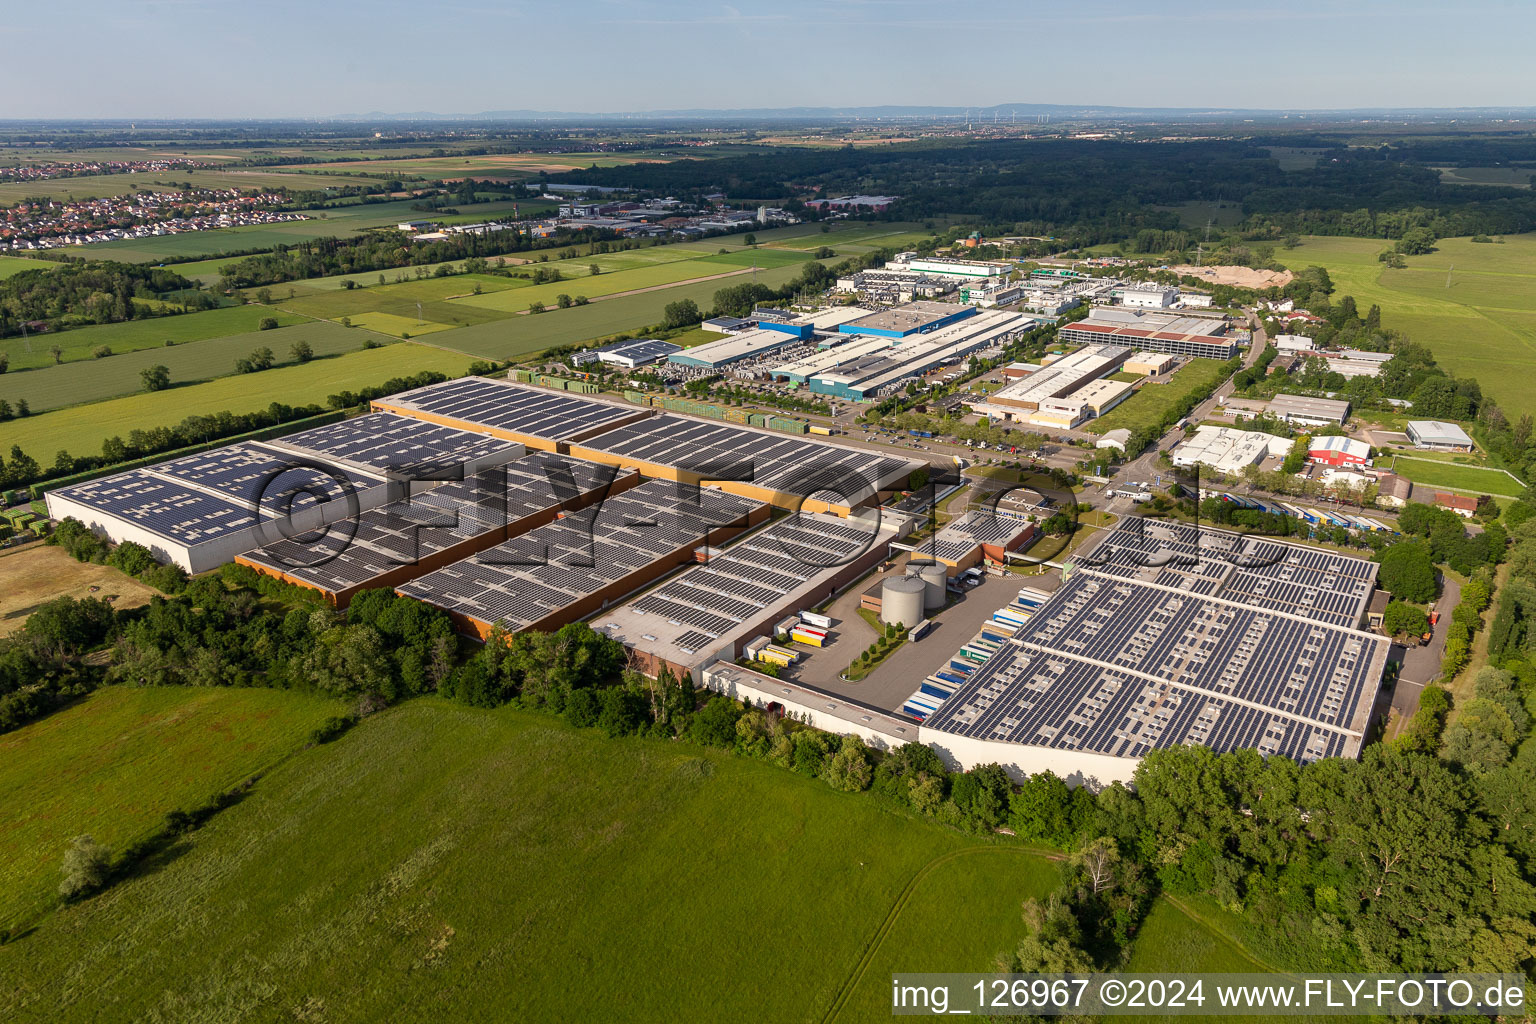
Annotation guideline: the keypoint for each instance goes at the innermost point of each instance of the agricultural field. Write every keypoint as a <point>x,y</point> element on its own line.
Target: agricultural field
<point>112,765</point>
<point>37,573</point>
<point>1146,407</point>
<point>658,276</point>
<point>82,428</point>
<point>131,335</point>
<point>521,854</point>
<point>511,165</point>
<point>1475,479</point>
<point>523,335</point>
<point>1472,303</point>
<point>762,258</point>
<point>424,300</point>
<point>10,266</point>
<point>1513,177</point>
<point>98,186</point>
<point>96,380</point>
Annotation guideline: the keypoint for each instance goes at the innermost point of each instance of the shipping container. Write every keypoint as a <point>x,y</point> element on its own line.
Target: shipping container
<point>785,651</point>
<point>775,656</point>
<point>809,639</point>
<point>806,627</point>
<point>817,428</point>
<point>817,619</point>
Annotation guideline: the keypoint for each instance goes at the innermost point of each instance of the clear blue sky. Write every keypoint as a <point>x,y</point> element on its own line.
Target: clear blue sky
<point>279,58</point>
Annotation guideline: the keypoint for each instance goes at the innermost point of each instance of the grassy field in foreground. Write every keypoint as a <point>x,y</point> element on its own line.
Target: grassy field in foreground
<point>96,380</point>
<point>1172,941</point>
<point>152,332</point>
<point>1465,478</point>
<point>1146,407</point>
<point>447,863</point>
<point>81,429</point>
<point>112,765</point>
<point>1472,303</point>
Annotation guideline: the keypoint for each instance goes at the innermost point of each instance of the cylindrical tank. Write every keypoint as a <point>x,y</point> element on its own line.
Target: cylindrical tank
<point>901,600</point>
<point>935,576</point>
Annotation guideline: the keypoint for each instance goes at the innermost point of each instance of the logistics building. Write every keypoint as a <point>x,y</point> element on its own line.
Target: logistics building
<point>981,534</point>
<point>585,561</point>
<point>912,318</point>
<point>1181,334</point>
<point>1150,363</point>
<point>1167,634</point>
<point>389,545</point>
<point>540,419</point>
<point>788,472</point>
<point>628,354</point>
<point>1103,394</point>
<point>1149,296</point>
<point>947,267</point>
<point>733,348</point>
<point>201,510</point>
<point>709,611</point>
<point>1018,399</point>
<point>871,370</point>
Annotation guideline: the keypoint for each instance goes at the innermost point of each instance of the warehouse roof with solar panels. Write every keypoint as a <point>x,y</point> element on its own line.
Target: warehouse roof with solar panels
<point>526,580</point>
<point>1166,634</point>
<point>977,527</point>
<point>533,416</point>
<point>774,462</point>
<point>380,547</point>
<point>399,445</point>
<point>710,605</point>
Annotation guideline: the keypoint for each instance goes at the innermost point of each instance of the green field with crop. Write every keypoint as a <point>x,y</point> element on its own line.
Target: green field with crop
<point>10,266</point>
<point>1146,407</point>
<point>1458,478</point>
<point>151,332</point>
<point>522,335</point>
<point>112,765</point>
<point>760,257</point>
<point>659,275</point>
<point>104,185</point>
<point>96,380</point>
<point>450,863</point>
<point>424,300</point>
<point>1472,303</point>
<point>82,428</point>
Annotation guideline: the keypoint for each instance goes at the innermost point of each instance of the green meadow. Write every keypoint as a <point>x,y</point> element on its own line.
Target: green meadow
<point>131,335</point>
<point>1472,303</point>
<point>81,429</point>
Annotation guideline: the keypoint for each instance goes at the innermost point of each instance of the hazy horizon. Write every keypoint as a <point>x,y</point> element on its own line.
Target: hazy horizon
<point>201,59</point>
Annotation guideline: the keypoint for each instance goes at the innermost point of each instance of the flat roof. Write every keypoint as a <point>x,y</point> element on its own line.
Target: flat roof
<point>909,317</point>
<point>1167,635</point>
<point>483,403</point>
<point>978,526</point>
<point>694,614</point>
<point>902,730</point>
<point>1060,376</point>
<point>734,347</point>
<point>780,462</point>
<point>385,442</point>
<point>403,533</point>
<point>1304,405</point>
<point>525,579</point>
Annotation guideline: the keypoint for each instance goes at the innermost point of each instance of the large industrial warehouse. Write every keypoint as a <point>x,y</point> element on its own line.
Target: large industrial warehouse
<point>581,563</point>
<point>397,542</point>
<point>710,611</point>
<point>1167,634</point>
<point>1203,337</point>
<point>545,420</point>
<point>789,472</point>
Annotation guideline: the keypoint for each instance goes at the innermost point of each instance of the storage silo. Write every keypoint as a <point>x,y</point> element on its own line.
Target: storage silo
<point>935,577</point>
<point>901,600</point>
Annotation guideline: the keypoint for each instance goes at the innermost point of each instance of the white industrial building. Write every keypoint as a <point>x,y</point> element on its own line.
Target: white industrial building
<point>1149,296</point>
<point>1439,435</point>
<point>1227,450</point>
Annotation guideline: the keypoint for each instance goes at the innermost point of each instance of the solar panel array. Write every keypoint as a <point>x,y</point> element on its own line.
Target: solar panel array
<point>549,415</point>
<point>1126,656</point>
<point>751,576</point>
<point>354,551</point>
<point>396,444</point>
<point>163,508</point>
<point>525,579</point>
<point>978,526</point>
<point>256,476</point>
<point>725,451</point>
